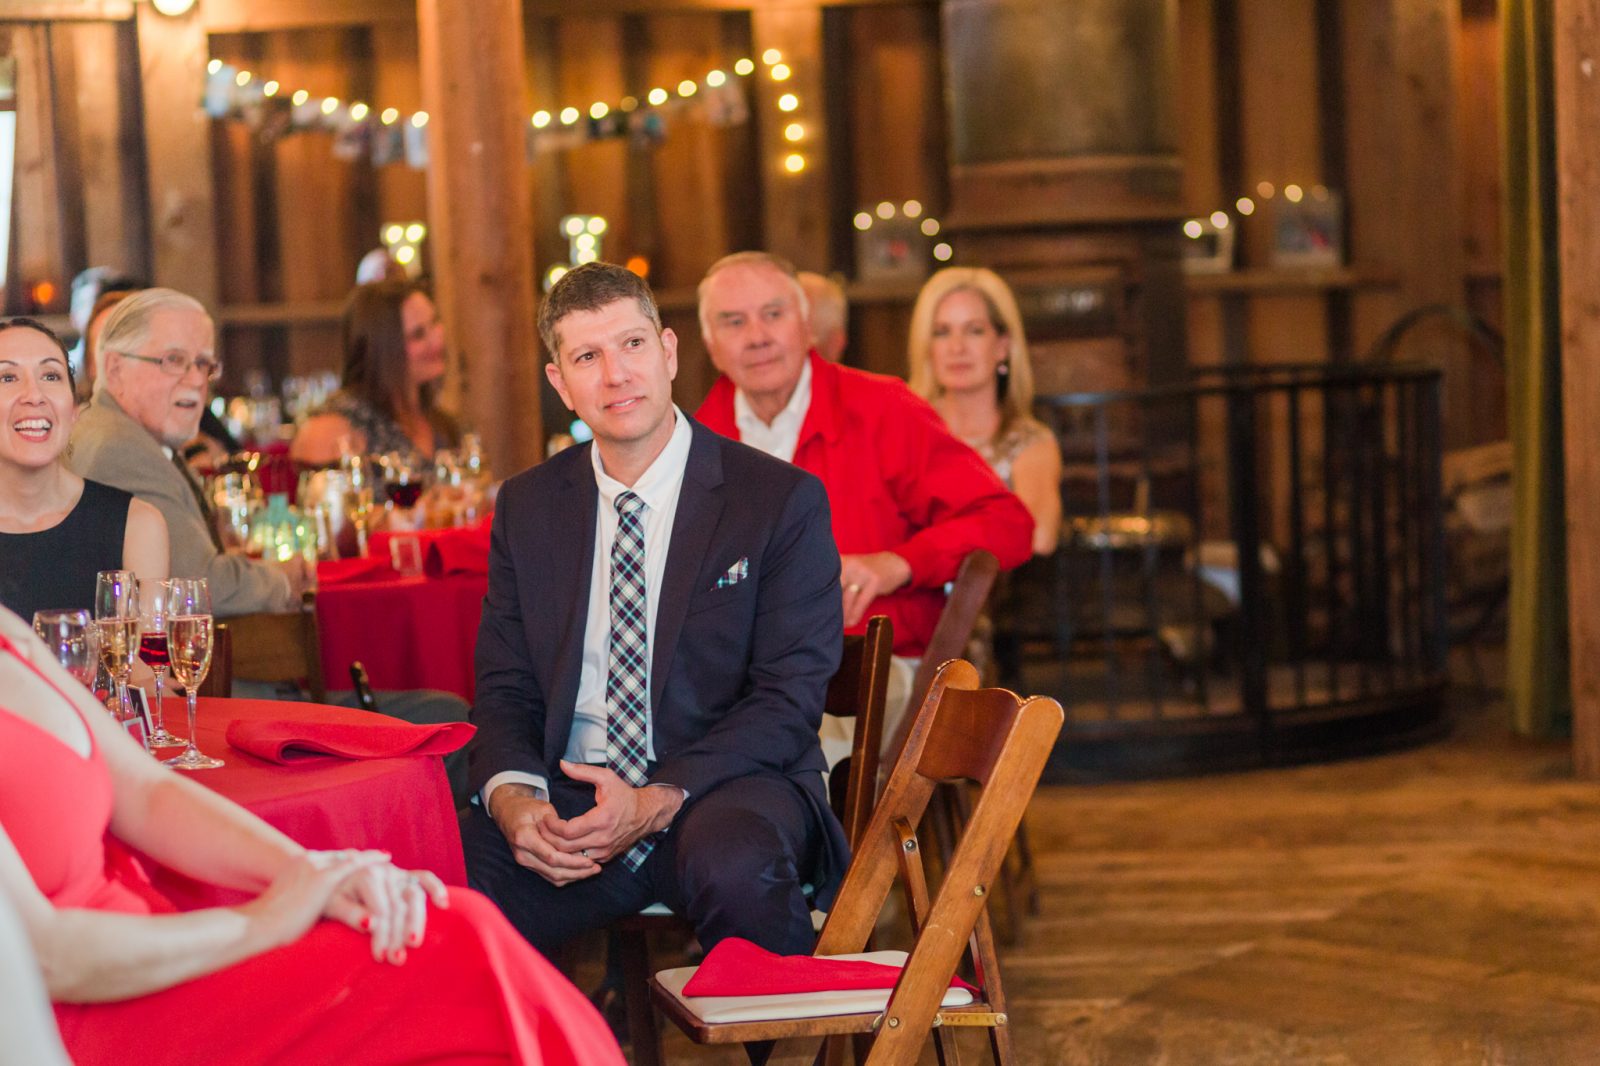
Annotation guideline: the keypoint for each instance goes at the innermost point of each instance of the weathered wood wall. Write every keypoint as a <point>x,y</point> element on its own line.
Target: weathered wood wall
<point>1393,102</point>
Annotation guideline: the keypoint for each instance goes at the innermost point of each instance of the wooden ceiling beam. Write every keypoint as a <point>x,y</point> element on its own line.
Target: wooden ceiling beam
<point>50,10</point>
<point>240,16</point>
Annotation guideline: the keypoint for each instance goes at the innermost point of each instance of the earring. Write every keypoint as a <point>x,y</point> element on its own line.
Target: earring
<point>1003,369</point>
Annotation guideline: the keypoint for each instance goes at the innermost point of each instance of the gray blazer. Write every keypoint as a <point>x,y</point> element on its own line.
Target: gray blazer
<point>109,446</point>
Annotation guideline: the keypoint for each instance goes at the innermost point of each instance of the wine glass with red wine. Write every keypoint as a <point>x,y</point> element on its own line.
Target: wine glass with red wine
<point>153,653</point>
<point>402,482</point>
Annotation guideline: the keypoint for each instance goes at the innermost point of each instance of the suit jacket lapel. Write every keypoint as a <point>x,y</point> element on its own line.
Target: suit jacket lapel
<point>699,511</point>
<point>571,568</point>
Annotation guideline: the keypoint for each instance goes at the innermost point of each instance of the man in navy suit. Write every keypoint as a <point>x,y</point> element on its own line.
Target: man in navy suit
<point>662,621</point>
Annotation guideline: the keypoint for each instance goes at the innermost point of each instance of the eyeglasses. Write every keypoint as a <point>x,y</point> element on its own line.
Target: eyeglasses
<point>177,364</point>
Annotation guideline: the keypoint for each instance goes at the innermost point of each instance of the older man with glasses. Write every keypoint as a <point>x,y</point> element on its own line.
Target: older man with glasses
<point>159,355</point>
<point>159,360</point>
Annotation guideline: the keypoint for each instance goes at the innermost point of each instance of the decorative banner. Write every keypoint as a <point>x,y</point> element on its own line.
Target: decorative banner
<point>389,136</point>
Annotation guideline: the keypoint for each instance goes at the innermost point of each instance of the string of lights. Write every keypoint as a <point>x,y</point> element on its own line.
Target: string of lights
<point>604,118</point>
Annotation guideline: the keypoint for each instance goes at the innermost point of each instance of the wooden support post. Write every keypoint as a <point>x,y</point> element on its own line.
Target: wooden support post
<point>1577,78</point>
<point>183,224</point>
<point>795,206</point>
<point>480,217</point>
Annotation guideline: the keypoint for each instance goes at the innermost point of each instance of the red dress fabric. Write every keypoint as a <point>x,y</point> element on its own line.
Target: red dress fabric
<point>472,992</point>
<point>898,481</point>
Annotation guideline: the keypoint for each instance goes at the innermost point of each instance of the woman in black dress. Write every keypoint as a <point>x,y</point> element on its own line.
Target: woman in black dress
<point>57,531</point>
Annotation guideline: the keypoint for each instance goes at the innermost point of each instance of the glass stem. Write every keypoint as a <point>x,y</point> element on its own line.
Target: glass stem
<point>158,726</point>
<point>189,693</point>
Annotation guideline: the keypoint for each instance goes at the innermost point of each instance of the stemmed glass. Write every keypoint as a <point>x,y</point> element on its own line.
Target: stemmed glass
<point>360,475</point>
<point>70,636</point>
<point>153,650</point>
<point>189,630</point>
<point>116,613</point>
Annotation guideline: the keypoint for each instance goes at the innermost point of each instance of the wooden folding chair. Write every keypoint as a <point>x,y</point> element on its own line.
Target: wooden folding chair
<point>219,679</point>
<point>965,604</point>
<point>968,594</point>
<point>857,690</point>
<point>989,737</point>
<point>281,647</point>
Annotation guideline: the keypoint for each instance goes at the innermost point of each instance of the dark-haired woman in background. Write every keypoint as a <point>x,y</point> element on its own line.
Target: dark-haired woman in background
<point>58,530</point>
<point>394,357</point>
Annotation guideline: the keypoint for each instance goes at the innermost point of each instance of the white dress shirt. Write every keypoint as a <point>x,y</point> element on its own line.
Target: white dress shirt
<point>658,487</point>
<point>782,436</point>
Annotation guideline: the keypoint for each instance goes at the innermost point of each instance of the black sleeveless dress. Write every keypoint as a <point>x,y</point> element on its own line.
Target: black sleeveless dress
<point>56,567</point>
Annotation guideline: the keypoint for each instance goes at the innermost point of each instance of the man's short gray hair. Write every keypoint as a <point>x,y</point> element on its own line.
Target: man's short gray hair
<point>128,326</point>
<point>767,259</point>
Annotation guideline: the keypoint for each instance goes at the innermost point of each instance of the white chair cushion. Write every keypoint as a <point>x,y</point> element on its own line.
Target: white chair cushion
<point>721,1009</point>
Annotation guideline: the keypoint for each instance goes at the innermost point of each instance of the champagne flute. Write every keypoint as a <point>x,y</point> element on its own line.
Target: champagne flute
<point>70,636</point>
<point>116,612</point>
<point>360,476</point>
<point>189,630</point>
<point>153,651</point>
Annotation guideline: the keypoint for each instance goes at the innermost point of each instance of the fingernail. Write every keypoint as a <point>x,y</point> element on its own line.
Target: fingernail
<point>397,956</point>
<point>366,925</point>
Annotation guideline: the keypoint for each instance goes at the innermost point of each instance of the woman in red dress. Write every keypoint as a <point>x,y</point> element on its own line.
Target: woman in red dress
<point>339,957</point>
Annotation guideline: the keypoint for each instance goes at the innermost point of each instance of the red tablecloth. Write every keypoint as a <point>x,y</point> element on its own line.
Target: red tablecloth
<point>402,806</point>
<point>409,632</point>
<point>428,540</point>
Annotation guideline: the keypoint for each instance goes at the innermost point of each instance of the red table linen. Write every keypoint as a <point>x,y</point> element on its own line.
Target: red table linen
<point>409,632</point>
<point>289,740</point>
<point>737,967</point>
<point>401,805</point>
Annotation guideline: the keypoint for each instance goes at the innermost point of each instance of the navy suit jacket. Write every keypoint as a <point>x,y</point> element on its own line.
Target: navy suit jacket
<point>738,671</point>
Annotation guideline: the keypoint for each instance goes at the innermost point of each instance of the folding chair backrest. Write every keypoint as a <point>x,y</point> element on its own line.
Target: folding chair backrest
<point>280,647</point>
<point>968,595</point>
<point>988,736</point>
<point>858,690</point>
<point>219,679</point>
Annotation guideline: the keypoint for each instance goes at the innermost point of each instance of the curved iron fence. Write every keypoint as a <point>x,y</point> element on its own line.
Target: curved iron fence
<point>1251,571</point>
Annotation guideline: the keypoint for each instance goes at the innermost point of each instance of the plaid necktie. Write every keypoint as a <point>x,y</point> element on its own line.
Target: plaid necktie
<point>627,681</point>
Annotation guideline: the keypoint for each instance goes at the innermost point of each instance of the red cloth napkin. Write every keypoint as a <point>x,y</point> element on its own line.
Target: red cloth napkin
<point>737,967</point>
<point>287,741</point>
<point>359,568</point>
<point>458,551</point>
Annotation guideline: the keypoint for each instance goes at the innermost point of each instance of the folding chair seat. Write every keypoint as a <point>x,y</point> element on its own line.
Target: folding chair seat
<point>996,741</point>
<point>857,690</point>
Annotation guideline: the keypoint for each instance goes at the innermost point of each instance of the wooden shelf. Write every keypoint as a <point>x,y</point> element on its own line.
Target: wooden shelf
<point>1259,282</point>
<point>1270,281</point>
<point>302,313</point>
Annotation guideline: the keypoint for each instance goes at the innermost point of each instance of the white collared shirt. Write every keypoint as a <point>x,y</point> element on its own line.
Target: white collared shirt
<point>658,487</point>
<point>782,436</point>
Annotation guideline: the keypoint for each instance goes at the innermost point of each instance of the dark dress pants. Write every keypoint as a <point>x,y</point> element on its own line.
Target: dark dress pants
<point>733,864</point>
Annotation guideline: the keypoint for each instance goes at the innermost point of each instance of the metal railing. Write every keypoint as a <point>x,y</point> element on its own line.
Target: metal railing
<point>1251,569</point>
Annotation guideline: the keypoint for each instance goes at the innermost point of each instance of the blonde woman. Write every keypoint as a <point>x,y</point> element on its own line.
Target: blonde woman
<point>969,358</point>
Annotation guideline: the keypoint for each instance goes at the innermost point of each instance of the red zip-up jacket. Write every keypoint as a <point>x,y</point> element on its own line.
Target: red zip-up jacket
<point>898,481</point>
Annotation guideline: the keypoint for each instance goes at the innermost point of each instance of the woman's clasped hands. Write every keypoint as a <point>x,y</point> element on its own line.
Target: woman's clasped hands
<point>361,889</point>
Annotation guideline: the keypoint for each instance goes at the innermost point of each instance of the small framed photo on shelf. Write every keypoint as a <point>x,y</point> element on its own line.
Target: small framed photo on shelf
<point>1309,232</point>
<point>891,250</point>
<point>1207,247</point>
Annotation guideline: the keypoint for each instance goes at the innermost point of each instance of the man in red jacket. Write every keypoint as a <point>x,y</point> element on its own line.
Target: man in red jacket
<point>909,499</point>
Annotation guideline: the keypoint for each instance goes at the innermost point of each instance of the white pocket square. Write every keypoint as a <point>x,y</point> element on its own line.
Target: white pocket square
<point>735,573</point>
